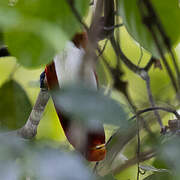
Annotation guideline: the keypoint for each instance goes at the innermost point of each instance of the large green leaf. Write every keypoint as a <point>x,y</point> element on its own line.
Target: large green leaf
<point>36,30</point>
<point>20,159</point>
<point>90,106</point>
<point>168,153</point>
<point>169,13</point>
<point>58,12</point>
<point>15,106</point>
<point>35,47</point>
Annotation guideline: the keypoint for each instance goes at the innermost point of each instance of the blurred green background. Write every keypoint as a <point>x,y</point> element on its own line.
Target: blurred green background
<point>50,128</point>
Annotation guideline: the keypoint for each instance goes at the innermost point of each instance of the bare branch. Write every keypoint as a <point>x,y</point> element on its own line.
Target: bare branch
<point>152,23</point>
<point>30,128</point>
<point>138,146</point>
<point>151,99</point>
<point>125,60</point>
<point>164,36</point>
<point>142,157</point>
<point>141,55</point>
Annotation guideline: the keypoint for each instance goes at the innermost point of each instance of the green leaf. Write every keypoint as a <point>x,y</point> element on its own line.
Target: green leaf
<point>159,163</point>
<point>159,176</point>
<point>58,12</point>
<point>35,47</point>
<point>20,159</point>
<point>8,15</point>
<point>169,13</point>
<point>37,30</point>
<point>15,106</point>
<point>169,153</point>
<point>90,105</point>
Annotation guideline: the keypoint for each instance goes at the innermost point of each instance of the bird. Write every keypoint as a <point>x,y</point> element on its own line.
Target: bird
<point>64,70</point>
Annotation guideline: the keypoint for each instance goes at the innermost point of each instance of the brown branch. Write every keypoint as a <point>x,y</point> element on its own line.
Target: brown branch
<point>164,36</point>
<point>140,71</point>
<point>127,62</point>
<point>118,141</point>
<point>30,128</point>
<point>90,59</point>
<point>95,27</point>
<point>138,146</point>
<point>164,61</point>
<point>124,59</point>
<point>151,99</point>
<point>150,20</point>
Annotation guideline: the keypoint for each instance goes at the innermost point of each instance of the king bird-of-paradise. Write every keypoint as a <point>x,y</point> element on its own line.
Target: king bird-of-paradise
<point>64,70</point>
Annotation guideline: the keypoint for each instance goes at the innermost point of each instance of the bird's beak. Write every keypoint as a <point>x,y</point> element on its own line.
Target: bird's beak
<point>97,153</point>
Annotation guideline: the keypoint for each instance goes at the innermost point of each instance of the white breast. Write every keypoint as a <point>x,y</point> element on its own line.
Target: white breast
<point>68,64</point>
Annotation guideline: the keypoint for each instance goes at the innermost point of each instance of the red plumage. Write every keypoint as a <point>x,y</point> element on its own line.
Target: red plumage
<point>93,144</point>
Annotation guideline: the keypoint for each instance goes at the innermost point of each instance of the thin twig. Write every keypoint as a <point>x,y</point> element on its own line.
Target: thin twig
<point>117,33</point>
<point>104,47</point>
<point>118,141</point>
<point>163,34</point>
<point>113,27</point>
<point>156,108</point>
<point>151,99</point>
<point>149,21</point>
<point>139,71</point>
<point>77,15</point>
<point>147,67</point>
<point>125,60</point>
<point>175,66</point>
<point>165,62</point>
<point>141,55</point>
<point>138,146</point>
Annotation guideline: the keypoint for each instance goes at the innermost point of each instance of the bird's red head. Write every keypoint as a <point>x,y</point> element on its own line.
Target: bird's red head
<point>80,40</point>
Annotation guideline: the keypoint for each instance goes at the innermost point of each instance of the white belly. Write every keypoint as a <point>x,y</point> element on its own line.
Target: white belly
<point>68,64</point>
